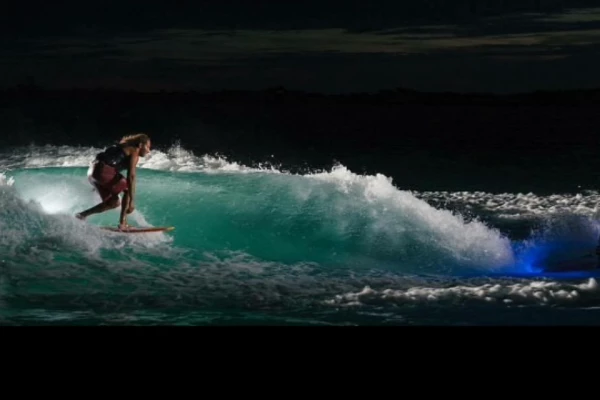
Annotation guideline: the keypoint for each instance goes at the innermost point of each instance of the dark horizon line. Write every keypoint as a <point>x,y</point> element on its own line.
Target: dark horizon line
<point>282,89</point>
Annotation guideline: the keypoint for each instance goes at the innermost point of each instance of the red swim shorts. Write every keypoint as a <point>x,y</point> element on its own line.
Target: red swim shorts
<point>107,180</point>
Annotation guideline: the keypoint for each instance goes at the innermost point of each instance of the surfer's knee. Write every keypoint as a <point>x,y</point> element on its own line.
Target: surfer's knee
<point>113,202</point>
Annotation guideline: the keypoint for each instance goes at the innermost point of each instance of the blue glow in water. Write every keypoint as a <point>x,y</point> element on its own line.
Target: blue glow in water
<point>531,259</point>
<point>547,260</point>
<point>528,257</point>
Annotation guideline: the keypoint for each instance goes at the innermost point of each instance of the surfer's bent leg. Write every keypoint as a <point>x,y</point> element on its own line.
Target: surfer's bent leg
<point>109,183</point>
<point>108,204</point>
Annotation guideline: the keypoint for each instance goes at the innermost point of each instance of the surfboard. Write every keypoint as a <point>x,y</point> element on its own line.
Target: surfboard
<point>136,229</point>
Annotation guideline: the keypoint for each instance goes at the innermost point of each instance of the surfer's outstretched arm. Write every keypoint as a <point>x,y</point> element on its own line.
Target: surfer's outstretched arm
<point>124,207</point>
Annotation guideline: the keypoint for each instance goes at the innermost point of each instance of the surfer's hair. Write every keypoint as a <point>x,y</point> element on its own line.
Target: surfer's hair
<point>135,139</point>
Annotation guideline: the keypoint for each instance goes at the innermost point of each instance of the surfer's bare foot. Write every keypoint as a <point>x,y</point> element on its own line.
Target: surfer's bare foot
<point>79,216</point>
<point>123,227</point>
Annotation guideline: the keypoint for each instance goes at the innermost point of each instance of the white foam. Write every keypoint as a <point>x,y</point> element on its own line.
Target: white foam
<point>518,205</point>
<point>400,213</point>
<point>53,156</point>
<point>49,221</point>
<point>6,181</point>
<point>537,292</point>
<point>176,159</point>
<point>57,196</point>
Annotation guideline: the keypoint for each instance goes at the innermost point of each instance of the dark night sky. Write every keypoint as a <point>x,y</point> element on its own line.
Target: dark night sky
<point>326,46</point>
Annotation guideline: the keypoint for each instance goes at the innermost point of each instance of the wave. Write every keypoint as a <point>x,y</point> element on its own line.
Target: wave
<point>259,237</point>
<point>335,217</point>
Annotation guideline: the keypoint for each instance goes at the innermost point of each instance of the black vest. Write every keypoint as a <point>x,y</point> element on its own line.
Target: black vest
<point>115,157</point>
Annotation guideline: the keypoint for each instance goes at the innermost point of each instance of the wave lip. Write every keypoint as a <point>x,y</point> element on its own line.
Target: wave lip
<point>410,222</point>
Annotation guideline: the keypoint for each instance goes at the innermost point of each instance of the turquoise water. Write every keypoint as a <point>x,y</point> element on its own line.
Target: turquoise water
<point>262,246</point>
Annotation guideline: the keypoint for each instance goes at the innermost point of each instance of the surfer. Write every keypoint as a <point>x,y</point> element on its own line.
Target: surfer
<point>105,175</point>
